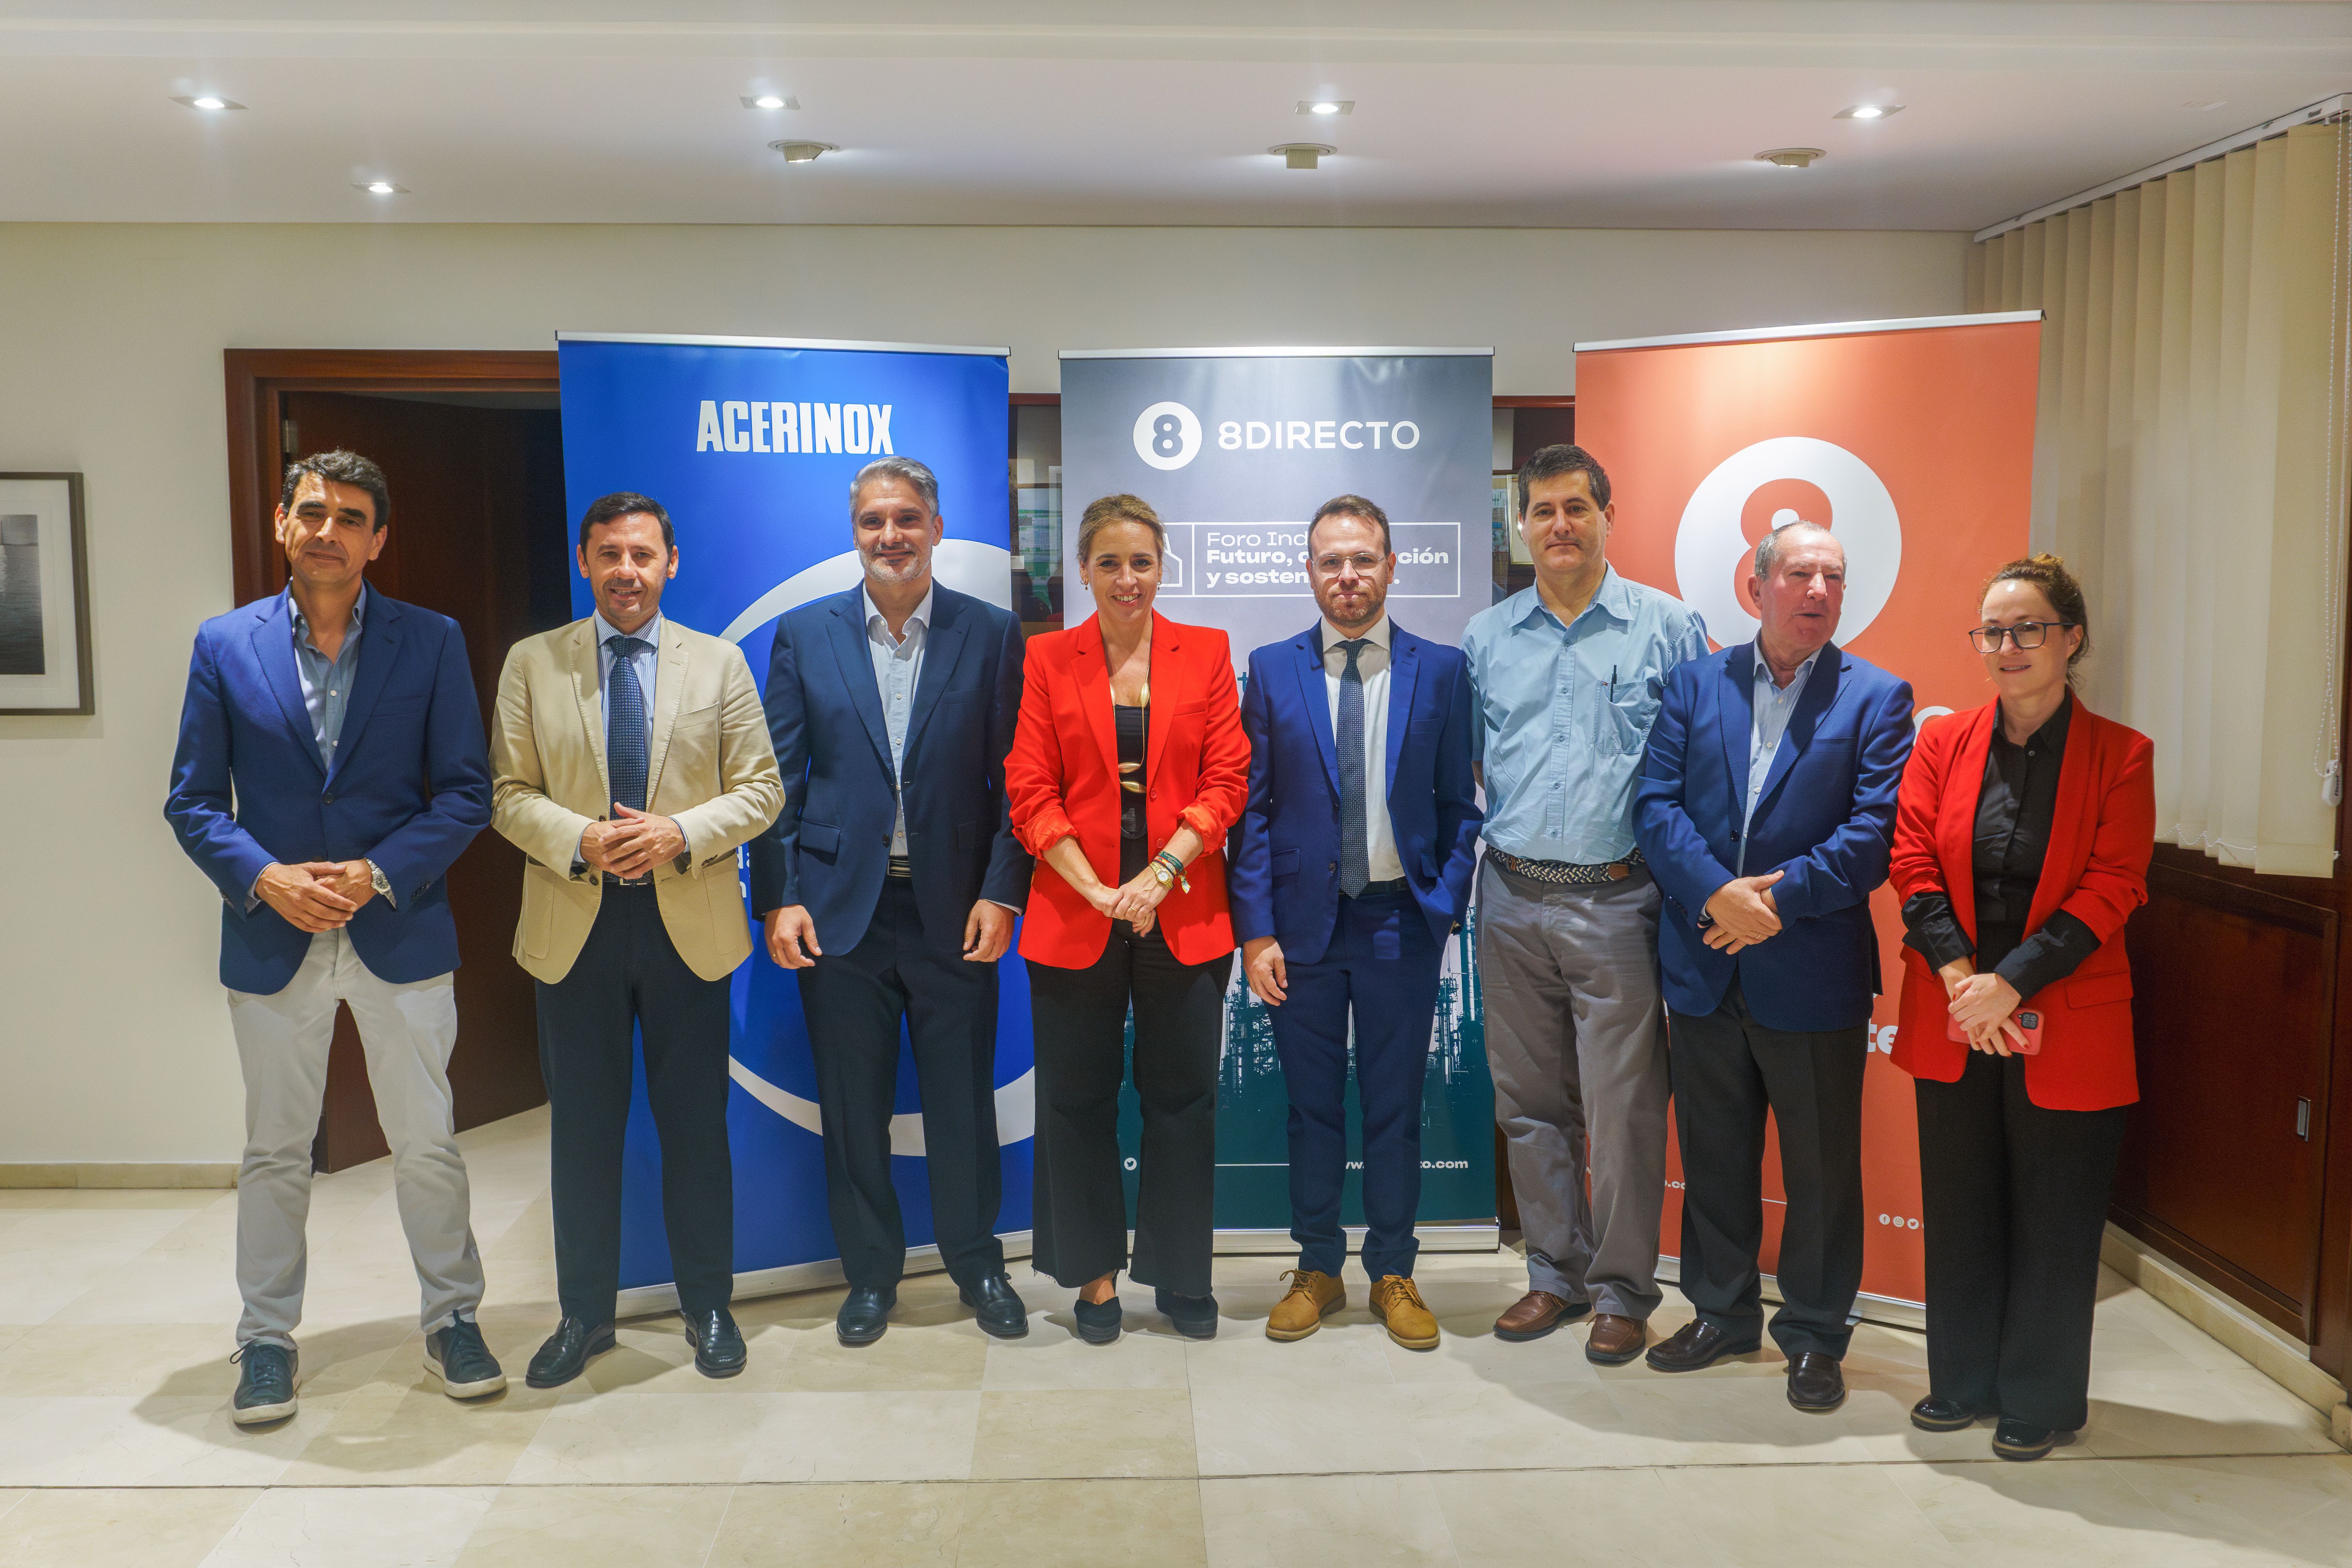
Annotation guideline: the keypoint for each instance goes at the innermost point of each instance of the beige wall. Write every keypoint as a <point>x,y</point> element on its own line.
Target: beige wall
<point>114,1044</point>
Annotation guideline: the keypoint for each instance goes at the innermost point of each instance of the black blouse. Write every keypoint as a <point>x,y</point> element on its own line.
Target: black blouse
<point>1133,725</point>
<point>2014,810</point>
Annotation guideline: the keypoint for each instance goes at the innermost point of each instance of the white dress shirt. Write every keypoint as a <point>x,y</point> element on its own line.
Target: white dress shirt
<point>1774,706</point>
<point>897,666</point>
<point>1372,664</point>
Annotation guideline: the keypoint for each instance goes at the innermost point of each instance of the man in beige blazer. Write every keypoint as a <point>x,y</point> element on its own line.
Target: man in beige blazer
<point>632,757</point>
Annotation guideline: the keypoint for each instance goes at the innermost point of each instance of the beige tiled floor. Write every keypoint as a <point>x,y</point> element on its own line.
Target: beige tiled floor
<point>939,1446</point>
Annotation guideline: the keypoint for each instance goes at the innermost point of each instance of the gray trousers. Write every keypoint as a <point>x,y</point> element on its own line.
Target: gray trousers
<point>407,1032</point>
<point>1576,1040</point>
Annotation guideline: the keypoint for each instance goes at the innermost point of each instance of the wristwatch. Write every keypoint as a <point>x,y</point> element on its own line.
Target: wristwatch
<point>1161,873</point>
<point>378,881</point>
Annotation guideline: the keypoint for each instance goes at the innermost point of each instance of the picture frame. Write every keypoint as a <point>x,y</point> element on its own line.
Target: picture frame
<point>45,654</point>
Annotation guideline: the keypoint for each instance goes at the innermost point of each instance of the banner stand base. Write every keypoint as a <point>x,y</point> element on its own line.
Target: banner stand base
<point>1889,1311</point>
<point>645,1300</point>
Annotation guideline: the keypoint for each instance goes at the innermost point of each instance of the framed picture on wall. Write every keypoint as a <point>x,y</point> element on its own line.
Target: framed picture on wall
<point>44,596</point>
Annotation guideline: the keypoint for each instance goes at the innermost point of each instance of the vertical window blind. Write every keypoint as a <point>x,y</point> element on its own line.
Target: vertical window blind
<point>2190,465</point>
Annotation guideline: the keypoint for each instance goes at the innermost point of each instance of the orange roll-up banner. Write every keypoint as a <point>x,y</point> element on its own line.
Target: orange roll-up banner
<point>1913,442</point>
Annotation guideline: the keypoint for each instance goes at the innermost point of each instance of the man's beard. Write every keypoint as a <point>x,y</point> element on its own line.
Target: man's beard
<point>882,570</point>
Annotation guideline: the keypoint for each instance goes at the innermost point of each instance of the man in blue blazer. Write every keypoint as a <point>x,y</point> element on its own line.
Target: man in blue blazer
<point>330,767</point>
<point>1357,847</point>
<point>890,881</point>
<point>1766,807</point>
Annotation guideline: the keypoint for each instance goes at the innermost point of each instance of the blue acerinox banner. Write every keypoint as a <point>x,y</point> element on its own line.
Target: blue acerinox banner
<point>1235,448</point>
<point>751,444</point>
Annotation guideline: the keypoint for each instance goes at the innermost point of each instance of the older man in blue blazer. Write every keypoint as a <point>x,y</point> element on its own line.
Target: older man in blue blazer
<point>890,881</point>
<point>1766,809</point>
<point>1357,847</point>
<point>330,767</point>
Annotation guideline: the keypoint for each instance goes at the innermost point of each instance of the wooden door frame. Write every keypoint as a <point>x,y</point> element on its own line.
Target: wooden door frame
<point>257,380</point>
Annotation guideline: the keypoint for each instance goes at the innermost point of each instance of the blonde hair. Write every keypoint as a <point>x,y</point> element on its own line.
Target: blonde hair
<point>1104,511</point>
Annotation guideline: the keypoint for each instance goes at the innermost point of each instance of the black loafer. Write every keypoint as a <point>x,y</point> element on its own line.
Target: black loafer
<point>1816,1382</point>
<point>1937,1414</point>
<point>866,1314</point>
<point>1195,1317</point>
<point>566,1354</point>
<point>1696,1345</point>
<point>265,1383</point>
<point>1099,1322</point>
<point>998,1305</point>
<point>465,1365</point>
<point>2015,1439</point>
<point>718,1342</point>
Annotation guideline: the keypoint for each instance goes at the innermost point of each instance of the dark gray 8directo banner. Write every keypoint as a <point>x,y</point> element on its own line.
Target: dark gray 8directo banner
<point>1235,448</point>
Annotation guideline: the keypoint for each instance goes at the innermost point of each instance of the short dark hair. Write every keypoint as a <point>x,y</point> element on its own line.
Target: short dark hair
<point>1351,506</point>
<point>343,468</point>
<point>1552,462</point>
<point>626,503</point>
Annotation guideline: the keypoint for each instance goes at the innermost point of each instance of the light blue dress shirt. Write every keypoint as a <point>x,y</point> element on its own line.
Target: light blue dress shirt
<point>897,666</point>
<point>1774,704</point>
<point>326,683</point>
<point>645,662</point>
<point>1565,711</point>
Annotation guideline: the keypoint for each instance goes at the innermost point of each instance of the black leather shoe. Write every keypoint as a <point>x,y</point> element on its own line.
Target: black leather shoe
<point>264,1387</point>
<point>1937,1414</point>
<point>465,1365</point>
<point>1816,1382</point>
<point>2014,1439</point>
<point>718,1342</point>
<point>1099,1322</point>
<point>864,1314</point>
<point>998,1305</point>
<point>566,1354</point>
<point>1195,1317</point>
<point>1698,1344</point>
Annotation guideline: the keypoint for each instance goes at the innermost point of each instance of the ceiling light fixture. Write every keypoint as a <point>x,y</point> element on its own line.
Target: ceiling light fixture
<point>2203,105</point>
<point>1868,111</point>
<point>210,103</point>
<point>1327,106</point>
<point>802,152</point>
<point>382,188</point>
<point>1303,155</point>
<point>772,101</point>
<point>1791,157</point>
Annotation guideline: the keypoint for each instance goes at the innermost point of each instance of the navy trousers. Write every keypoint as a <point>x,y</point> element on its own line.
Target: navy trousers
<point>1382,964</point>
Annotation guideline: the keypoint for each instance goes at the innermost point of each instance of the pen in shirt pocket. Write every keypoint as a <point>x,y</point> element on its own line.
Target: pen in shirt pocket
<point>1613,683</point>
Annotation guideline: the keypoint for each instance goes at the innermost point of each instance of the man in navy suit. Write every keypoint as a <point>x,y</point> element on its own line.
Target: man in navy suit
<point>890,881</point>
<point>1766,807</point>
<point>1356,848</point>
<point>331,766</point>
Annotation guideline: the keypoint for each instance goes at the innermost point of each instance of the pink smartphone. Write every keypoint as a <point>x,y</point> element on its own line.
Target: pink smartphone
<point>2025,1018</point>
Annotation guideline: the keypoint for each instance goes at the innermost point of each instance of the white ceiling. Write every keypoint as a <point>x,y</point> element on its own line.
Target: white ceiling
<point>1611,113</point>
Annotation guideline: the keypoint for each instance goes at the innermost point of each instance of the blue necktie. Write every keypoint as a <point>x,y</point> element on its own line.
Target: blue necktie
<point>1355,834</point>
<point>625,725</point>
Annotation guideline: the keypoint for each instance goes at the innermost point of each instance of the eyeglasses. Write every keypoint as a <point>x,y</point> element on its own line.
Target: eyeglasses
<point>1332,565</point>
<point>2025,635</point>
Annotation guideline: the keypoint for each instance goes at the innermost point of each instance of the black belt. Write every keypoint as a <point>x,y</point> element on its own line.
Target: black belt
<point>1390,888</point>
<point>617,884</point>
<point>1561,874</point>
<point>901,869</point>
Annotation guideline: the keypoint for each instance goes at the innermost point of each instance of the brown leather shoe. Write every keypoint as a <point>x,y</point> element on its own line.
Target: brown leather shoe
<point>1614,1341</point>
<point>1313,1296</point>
<point>1536,1314</point>
<point>1695,1345</point>
<point>1396,1301</point>
<point>1816,1382</point>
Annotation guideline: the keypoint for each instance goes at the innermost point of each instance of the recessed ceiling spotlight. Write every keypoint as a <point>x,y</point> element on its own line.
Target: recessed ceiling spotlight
<point>802,152</point>
<point>1791,157</point>
<point>1327,106</point>
<point>382,188</point>
<point>210,103</point>
<point>1868,111</point>
<point>1303,155</point>
<point>772,101</point>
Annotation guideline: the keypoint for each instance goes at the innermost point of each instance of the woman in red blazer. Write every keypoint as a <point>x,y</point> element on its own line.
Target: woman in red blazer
<point>1129,767</point>
<point>2022,843</point>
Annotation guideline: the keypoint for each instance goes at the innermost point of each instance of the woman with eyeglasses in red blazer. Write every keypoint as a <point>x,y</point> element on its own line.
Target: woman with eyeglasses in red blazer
<point>2021,841</point>
<point>1128,769</point>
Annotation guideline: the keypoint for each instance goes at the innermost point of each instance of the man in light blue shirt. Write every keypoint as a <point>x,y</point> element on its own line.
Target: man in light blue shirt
<point>1568,676</point>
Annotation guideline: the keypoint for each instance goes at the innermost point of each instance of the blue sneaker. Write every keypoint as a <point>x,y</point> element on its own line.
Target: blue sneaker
<point>465,1365</point>
<point>264,1389</point>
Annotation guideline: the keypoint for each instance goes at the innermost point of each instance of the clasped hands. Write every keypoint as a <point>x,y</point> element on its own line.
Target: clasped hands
<point>632,844</point>
<point>1982,1005</point>
<point>792,934</point>
<point>1743,912</point>
<point>317,894</point>
<point>1135,902</point>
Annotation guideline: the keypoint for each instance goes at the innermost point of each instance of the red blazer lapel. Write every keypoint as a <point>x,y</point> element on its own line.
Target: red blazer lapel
<point>1955,824</point>
<point>1165,686</point>
<point>1091,664</point>
<point>2075,820</point>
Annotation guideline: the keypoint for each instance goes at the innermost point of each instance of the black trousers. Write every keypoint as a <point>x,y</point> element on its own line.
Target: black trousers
<point>1080,1017</point>
<point>855,1003</point>
<point>628,978</point>
<point>2014,1204</point>
<point>1727,1071</point>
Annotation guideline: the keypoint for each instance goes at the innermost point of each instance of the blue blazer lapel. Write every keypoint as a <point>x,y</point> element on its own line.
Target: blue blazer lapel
<point>379,651</point>
<point>942,645</point>
<point>1735,713</point>
<point>1405,668</point>
<point>1308,647</point>
<point>273,649</point>
<point>1812,704</point>
<point>849,648</point>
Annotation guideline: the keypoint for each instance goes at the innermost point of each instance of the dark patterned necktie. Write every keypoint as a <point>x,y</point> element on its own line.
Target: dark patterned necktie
<point>625,725</point>
<point>1355,835</point>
